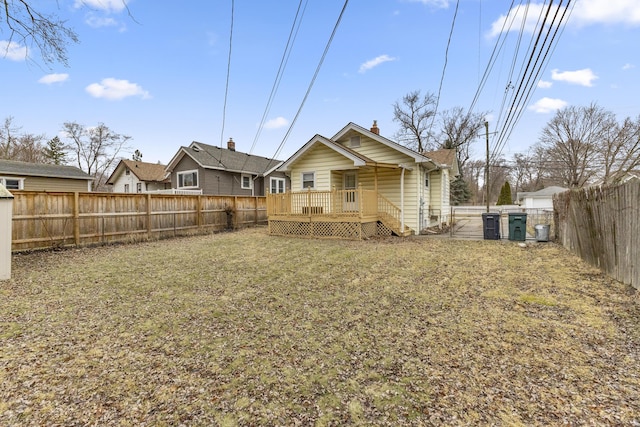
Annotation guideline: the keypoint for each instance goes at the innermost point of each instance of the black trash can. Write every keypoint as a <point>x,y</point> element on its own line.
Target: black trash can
<point>491,225</point>
<point>517,226</point>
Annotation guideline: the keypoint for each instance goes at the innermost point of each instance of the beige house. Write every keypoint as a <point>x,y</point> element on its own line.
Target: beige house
<point>132,176</point>
<point>359,183</point>
<point>16,175</point>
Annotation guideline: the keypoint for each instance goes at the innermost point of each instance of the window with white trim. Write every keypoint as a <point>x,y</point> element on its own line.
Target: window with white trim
<point>126,188</point>
<point>11,183</point>
<point>246,181</point>
<point>309,180</point>
<point>276,185</point>
<point>187,179</point>
<point>139,187</point>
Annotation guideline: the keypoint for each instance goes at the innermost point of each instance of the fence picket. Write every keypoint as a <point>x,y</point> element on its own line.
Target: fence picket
<point>600,224</point>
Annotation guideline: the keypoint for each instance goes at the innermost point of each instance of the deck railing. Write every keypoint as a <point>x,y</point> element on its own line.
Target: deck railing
<point>351,203</point>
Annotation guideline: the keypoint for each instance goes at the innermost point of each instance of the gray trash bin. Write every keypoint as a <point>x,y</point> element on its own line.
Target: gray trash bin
<point>542,232</point>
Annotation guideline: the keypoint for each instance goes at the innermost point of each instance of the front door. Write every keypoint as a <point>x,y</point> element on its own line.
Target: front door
<point>350,183</point>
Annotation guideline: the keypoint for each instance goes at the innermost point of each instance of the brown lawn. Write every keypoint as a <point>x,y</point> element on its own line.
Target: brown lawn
<point>246,329</point>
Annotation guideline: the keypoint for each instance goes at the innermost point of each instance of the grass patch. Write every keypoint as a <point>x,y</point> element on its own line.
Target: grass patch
<point>246,329</point>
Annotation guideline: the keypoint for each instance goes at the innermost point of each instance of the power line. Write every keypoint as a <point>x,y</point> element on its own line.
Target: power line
<point>283,64</point>
<point>226,88</point>
<point>313,79</point>
<point>490,63</point>
<point>532,69</point>
<point>444,67</point>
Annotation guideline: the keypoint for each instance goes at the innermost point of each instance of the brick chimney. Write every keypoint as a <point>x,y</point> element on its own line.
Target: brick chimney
<point>231,145</point>
<point>375,129</point>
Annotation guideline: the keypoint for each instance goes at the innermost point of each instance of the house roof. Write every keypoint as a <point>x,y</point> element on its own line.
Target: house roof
<point>212,157</point>
<point>446,157</point>
<point>541,194</point>
<point>12,167</point>
<point>146,172</point>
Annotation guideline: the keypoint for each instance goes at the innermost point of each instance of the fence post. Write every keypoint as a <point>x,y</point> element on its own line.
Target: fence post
<point>6,212</point>
<point>149,228</point>
<point>76,218</point>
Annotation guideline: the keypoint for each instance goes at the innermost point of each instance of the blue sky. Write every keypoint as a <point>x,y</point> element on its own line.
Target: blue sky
<point>157,72</point>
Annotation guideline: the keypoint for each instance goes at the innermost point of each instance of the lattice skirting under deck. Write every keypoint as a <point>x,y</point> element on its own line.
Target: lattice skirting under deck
<point>331,230</point>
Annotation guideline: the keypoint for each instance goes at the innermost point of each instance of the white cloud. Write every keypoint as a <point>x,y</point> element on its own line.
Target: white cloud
<point>586,12</point>
<point>99,21</point>
<point>54,78</point>
<point>543,84</point>
<point>114,89</point>
<point>606,12</point>
<point>106,5</point>
<point>435,3</point>
<point>13,51</point>
<point>513,20</point>
<point>277,123</point>
<point>375,62</point>
<point>626,67</point>
<point>584,77</point>
<point>548,105</point>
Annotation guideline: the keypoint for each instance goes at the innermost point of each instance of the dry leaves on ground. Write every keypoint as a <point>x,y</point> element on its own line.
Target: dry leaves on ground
<point>246,329</point>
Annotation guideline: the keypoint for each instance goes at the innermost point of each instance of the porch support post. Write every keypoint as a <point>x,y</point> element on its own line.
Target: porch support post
<point>375,178</point>
<point>402,199</point>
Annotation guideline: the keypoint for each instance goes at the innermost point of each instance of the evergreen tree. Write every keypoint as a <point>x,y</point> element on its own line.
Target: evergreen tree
<point>505,194</point>
<point>55,152</point>
<point>460,192</point>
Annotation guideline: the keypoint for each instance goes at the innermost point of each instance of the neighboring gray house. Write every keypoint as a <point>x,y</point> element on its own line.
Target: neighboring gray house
<point>41,177</point>
<point>225,171</point>
<point>541,199</point>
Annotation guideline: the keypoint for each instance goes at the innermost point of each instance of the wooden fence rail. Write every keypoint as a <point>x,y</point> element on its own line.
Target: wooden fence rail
<point>45,220</point>
<point>602,225</point>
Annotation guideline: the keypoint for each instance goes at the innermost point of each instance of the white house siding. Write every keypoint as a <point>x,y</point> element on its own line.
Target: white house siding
<point>435,191</point>
<point>123,179</point>
<point>446,196</point>
<point>538,203</point>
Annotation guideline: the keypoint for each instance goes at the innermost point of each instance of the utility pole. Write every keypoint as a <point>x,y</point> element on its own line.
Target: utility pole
<point>486,168</point>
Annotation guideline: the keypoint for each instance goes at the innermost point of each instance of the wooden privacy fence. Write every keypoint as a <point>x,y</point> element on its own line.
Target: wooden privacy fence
<point>602,225</point>
<point>45,220</point>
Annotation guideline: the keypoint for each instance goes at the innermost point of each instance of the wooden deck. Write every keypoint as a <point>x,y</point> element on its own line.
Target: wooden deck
<point>347,214</point>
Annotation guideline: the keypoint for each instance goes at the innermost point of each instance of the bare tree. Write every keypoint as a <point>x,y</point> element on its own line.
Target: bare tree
<point>30,148</point>
<point>95,150</point>
<point>572,143</point>
<point>8,139</point>
<point>31,27</point>
<point>414,115</point>
<point>459,130</point>
<point>620,149</point>
<point>473,170</point>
